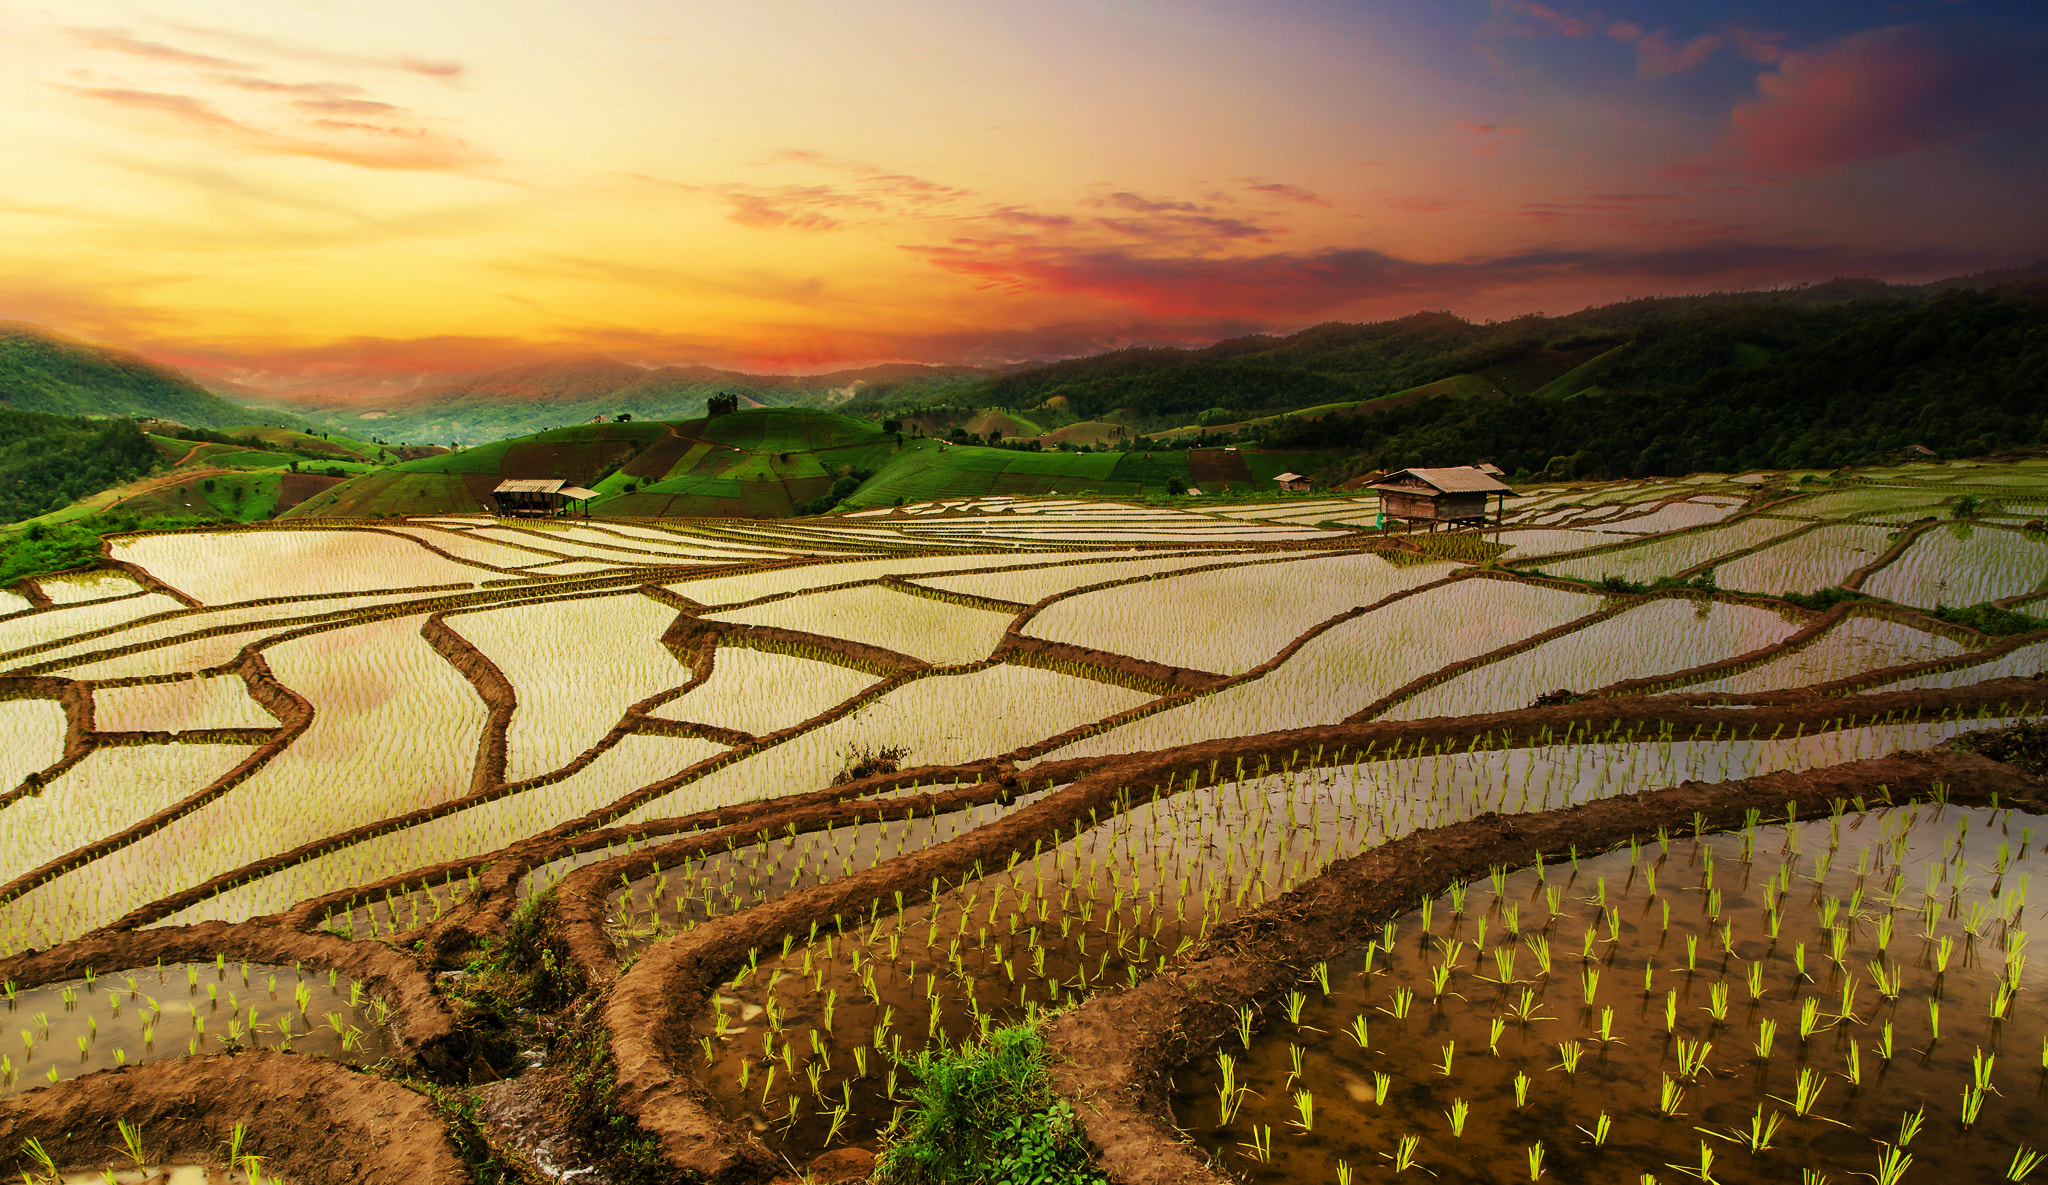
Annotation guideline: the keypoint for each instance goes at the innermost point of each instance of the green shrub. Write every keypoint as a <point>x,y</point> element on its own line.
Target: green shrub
<point>986,1112</point>
<point>1990,619</point>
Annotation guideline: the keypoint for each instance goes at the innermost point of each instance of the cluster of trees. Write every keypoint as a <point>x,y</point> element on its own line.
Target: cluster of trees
<point>842,487</point>
<point>722,404</point>
<point>48,462</point>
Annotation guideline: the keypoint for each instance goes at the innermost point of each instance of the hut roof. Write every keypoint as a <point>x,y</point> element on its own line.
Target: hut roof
<point>1462,479</point>
<point>578,493</point>
<point>529,485</point>
<point>1288,477</point>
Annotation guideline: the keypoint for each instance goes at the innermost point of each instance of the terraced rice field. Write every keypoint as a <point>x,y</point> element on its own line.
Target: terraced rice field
<point>786,805</point>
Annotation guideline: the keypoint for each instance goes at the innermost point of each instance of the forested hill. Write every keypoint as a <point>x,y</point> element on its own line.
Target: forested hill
<point>48,462</point>
<point>1248,377</point>
<point>1727,389</point>
<point>43,371</point>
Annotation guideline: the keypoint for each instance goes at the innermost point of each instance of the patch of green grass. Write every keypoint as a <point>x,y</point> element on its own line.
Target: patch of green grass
<point>987,1112</point>
<point>1990,619</point>
<point>41,548</point>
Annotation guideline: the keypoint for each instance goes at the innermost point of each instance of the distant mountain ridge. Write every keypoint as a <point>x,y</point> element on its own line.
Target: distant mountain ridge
<point>44,371</point>
<point>535,396</point>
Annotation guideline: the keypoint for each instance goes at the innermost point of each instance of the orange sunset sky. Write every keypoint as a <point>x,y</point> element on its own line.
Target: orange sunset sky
<point>295,186</point>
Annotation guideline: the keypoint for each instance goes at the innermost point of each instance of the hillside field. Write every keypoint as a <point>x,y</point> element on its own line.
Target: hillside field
<point>1320,843</point>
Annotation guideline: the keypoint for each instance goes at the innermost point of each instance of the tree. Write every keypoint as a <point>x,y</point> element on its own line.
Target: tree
<point>624,417</point>
<point>1175,485</point>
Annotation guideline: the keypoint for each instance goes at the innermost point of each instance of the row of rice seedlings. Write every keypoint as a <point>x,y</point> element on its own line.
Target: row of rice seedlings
<point>1343,669</point>
<point>1821,558</point>
<point>1525,543</point>
<point>221,567</point>
<point>1860,499</point>
<point>674,900</point>
<point>1961,564</point>
<point>397,911</point>
<point>938,720</point>
<point>473,831</point>
<point>31,738</point>
<point>575,666</point>
<point>1227,620</point>
<point>764,691</point>
<point>1653,638</point>
<point>22,633</point>
<point>2026,661</point>
<point>930,630</point>
<point>472,548</point>
<point>749,586</point>
<point>1852,647</point>
<point>1739,1003</point>
<point>200,702</point>
<point>72,588</point>
<point>1675,516</point>
<point>1653,558</point>
<point>1034,584</point>
<point>172,1010</point>
<point>109,790</point>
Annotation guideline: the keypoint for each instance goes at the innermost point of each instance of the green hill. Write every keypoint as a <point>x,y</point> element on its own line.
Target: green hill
<point>47,372</point>
<point>758,463</point>
<point>537,396</point>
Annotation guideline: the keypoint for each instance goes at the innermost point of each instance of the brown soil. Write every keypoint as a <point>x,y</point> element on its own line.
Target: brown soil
<point>294,488</point>
<point>422,1031</point>
<point>1210,468</point>
<point>310,1119</point>
<point>1113,1052</point>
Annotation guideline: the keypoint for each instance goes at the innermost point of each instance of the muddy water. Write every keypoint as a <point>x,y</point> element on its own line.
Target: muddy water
<point>1902,891</point>
<point>171,1174</point>
<point>150,1014</point>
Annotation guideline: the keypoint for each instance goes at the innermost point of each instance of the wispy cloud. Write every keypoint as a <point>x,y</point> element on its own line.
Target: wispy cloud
<point>119,41</point>
<point>1887,92</point>
<point>364,145</point>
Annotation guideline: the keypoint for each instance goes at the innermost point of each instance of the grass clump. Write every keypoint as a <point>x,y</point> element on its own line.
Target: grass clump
<point>986,1111</point>
<point>1990,619</point>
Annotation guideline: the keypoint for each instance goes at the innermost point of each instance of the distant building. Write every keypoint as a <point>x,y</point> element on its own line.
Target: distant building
<point>527,497</point>
<point>1450,496</point>
<point>1292,482</point>
<point>1489,469</point>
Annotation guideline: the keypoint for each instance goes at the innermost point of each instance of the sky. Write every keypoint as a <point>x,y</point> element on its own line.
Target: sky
<point>308,191</point>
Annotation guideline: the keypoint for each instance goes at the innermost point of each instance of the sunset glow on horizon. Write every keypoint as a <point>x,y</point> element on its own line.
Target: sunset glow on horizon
<point>271,192</point>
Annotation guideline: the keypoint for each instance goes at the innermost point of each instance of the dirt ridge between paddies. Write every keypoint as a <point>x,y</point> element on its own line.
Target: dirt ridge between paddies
<point>651,1005</point>
<point>1113,1053</point>
<point>311,1120</point>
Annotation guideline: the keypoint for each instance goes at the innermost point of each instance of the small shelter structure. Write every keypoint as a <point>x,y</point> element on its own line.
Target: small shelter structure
<point>1489,469</point>
<point>529,497</point>
<point>1292,482</point>
<point>1455,496</point>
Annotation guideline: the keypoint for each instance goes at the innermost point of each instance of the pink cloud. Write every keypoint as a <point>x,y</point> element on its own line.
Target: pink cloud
<point>1887,92</point>
<point>1293,193</point>
<point>1656,57</point>
<point>1545,18</point>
